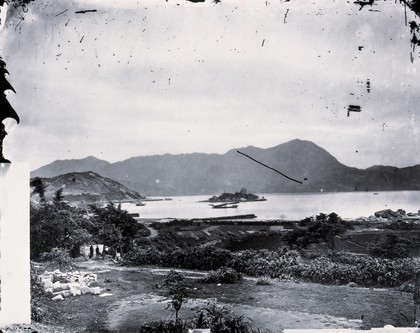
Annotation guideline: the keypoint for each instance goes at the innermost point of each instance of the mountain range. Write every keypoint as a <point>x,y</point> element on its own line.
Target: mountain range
<point>199,173</point>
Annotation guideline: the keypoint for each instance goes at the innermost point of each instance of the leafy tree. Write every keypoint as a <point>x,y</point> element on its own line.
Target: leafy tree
<point>39,188</point>
<point>391,246</point>
<point>114,227</point>
<point>54,226</point>
<point>177,289</point>
<point>58,196</point>
<point>322,228</point>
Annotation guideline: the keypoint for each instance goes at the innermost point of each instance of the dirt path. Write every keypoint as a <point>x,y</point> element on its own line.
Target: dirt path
<point>153,232</point>
<point>126,314</point>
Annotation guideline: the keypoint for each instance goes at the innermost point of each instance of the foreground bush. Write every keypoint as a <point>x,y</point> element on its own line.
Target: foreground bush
<point>362,270</point>
<point>223,275</point>
<point>57,257</point>
<point>218,319</point>
<point>341,268</point>
<point>391,245</point>
<point>38,297</point>
<point>164,326</point>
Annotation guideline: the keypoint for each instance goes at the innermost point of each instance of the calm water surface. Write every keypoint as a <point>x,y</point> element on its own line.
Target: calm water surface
<point>284,206</point>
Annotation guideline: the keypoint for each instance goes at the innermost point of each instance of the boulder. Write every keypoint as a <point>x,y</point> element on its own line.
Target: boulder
<point>73,279</point>
<point>74,285</point>
<point>389,214</point>
<point>47,284</point>
<point>58,298</point>
<point>66,293</point>
<point>64,286</point>
<point>95,290</point>
<point>45,276</point>
<point>57,285</point>
<point>85,290</point>
<point>49,290</point>
<point>75,291</point>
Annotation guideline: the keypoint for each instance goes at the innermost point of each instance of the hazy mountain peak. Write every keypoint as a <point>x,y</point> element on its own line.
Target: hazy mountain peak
<point>199,173</point>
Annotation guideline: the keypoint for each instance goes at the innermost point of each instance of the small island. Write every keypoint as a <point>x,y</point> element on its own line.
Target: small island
<point>240,196</point>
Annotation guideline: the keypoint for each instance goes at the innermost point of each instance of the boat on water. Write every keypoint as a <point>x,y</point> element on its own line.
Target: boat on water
<point>226,205</point>
<point>140,204</point>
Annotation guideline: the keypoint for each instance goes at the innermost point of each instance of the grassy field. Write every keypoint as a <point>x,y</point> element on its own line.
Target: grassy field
<point>136,298</point>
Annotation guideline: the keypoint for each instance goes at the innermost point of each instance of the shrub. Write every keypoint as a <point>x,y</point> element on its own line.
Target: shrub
<point>164,326</point>
<point>223,275</point>
<point>38,313</point>
<point>57,256</point>
<point>391,245</point>
<point>221,320</point>
<point>263,281</point>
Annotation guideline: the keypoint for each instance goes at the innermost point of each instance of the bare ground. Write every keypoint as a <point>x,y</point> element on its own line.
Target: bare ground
<point>135,298</point>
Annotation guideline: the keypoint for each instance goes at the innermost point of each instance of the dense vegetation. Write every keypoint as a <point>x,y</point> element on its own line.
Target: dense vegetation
<point>243,195</point>
<point>330,268</point>
<point>57,228</point>
<point>321,228</point>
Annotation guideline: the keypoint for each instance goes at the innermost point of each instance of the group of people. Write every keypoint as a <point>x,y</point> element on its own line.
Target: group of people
<point>98,253</point>
<point>116,255</point>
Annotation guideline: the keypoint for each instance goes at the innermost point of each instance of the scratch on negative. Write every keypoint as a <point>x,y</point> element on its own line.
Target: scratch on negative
<point>292,179</point>
<point>285,15</point>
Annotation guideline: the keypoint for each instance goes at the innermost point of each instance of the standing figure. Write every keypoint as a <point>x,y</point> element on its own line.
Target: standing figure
<point>97,252</point>
<point>91,252</point>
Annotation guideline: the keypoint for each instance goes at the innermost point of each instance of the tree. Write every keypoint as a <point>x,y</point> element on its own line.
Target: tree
<point>39,188</point>
<point>115,228</point>
<point>177,290</point>
<point>322,228</point>
<point>391,246</point>
<point>58,196</point>
<point>56,226</point>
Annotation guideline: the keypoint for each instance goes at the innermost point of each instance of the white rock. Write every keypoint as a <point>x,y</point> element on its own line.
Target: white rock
<point>74,285</point>
<point>58,298</point>
<point>85,290</point>
<point>66,293</point>
<point>47,284</point>
<point>75,291</point>
<point>95,290</point>
<point>45,276</point>
<point>49,290</point>
<point>65,286</point>
<point>57,285</point>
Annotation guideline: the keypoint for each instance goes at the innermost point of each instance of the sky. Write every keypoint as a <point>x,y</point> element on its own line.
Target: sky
<point>138,78</point>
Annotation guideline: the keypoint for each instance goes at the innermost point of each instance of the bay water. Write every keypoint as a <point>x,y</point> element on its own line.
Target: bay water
<point>282,206</point>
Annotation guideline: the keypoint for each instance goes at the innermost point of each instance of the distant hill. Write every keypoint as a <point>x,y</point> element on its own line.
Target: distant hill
<point>209,174</point>
<point>88,187</point>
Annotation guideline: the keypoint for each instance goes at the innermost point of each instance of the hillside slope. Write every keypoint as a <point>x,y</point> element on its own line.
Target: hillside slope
<point>88,187</point>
